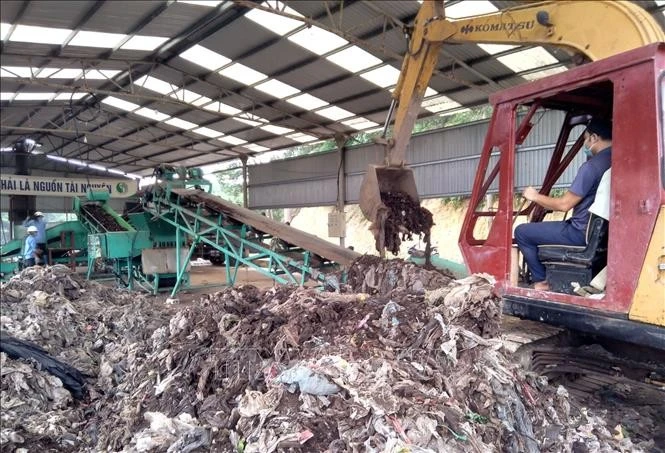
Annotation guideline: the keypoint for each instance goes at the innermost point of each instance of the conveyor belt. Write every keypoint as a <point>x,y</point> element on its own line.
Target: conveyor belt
<point>282,231</point>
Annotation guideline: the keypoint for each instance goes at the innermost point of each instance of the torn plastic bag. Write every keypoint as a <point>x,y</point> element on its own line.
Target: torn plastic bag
<point>71,378</point>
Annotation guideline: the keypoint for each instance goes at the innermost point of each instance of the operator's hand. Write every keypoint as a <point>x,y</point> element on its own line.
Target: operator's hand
<point>530,193</point>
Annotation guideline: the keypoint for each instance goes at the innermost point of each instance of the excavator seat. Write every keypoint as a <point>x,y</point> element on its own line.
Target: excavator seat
<point>565,264</point>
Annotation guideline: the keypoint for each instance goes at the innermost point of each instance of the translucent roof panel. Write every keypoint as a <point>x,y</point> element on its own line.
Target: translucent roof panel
<point>307,101</point>
<point>354,59</point>
<point>15,71</point>
<point>277,130</point>
<point>102,74</point>
<point>4,29</point>
<point>302,138</point>
<point>243,74</point>
<point>40,35</point>
<point>528,59</point>
<point>274,22</point>
<point>5,96</point>
<point>208,3</point>
<point>494,49</point>
<point>277,89</point>
<point>383,76</point>
<point>220,107</point>
<point>151,114</point>
<point>66,73</point>
<point>467,8</point>
<point>146,43</point>
<point>360,123</point>
<point>96,39</point>
<point>255,147</point>
<point>545,73</point>
<point>205,58</point>
<point>317,40</point>
<point>34,96</point>
<point>180,123</point>
<point>120,103</point>
<point>231,140</point>
<point>69,96</point>
<point>207,132</point>
<point>334,113</point>
<point>439,104</point>
<point>154,84</point>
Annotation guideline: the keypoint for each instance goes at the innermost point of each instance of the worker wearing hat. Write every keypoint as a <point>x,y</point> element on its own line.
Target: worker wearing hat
<point>579,197</point>
<point>37,220</point>
<point>30,247</point>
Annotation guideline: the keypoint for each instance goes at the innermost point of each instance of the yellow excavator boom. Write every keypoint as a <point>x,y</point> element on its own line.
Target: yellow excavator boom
<point>592,29</point>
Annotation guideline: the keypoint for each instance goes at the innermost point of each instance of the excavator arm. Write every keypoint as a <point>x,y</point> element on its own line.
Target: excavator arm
<point>616,26</point>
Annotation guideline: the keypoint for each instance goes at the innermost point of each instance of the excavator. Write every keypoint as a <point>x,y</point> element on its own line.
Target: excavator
<point>622,78</point>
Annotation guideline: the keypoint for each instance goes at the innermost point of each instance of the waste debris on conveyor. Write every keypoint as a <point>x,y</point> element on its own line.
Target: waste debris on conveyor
<point>104,218</point>
<point>286,369</point>
<point>405,218</point>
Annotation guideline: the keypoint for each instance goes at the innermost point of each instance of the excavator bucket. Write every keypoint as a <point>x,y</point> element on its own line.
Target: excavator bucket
<point>381,179</point>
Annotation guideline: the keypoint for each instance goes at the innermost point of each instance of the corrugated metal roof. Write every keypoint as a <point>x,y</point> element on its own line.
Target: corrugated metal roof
<point>465,73</point>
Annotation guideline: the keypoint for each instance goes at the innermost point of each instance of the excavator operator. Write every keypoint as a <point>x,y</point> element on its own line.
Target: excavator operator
<point>579,197</point>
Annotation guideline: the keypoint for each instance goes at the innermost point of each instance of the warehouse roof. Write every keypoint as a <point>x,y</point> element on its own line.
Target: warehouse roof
<point>127,85</point>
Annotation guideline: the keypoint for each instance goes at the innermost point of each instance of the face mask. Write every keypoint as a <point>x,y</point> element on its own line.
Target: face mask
<point>587,151</point>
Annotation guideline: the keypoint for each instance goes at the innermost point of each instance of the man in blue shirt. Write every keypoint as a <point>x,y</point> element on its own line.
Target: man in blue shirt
<point>579,197</point>
<point>37,220</point>
<point>30,247</point>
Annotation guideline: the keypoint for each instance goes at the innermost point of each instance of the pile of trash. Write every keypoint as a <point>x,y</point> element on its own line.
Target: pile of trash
<point>64,343</point>
<point>268,370</point>
<point>280,369</point>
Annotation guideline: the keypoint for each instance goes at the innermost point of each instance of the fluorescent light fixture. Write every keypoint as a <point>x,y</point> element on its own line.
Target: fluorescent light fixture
<point>360,123</point>
<point>277,89</point>
<point>545,73</point>
<point>154,84</point>
<point>120,103</point>
<point>101,74</point>
<point>66,73</point>
<point>302,138</point>
<point>4,29</point>
<point>207,132</point>
<point>354,59</point>
<point>151,114</point>
<point>439,104</point>
<point>146,43</point>
<point>40,35</point>
<point>15,71</point>
<point>220,107</point>
<point>383,76</point>
<point>115,172</point>
<point>255,147</point>
<point>58,158</point>
<point>96,39</point>
<point>307,101</point>
<point>34,96</point>
<point>5,96</point>
<point>96,167</point>
<point>230,139</point>
<point>78,163</point>
<point>494,49</point>
<point>528,59</point>
<point>68,96</point>
<point>334,113</point>
<point>317,40</point>
<point>243,74</point>
<point>132,175</point>
<point>205,58</point>
<point>180,123</point>
<point>468,8</point>
<point>277,130</point>
<point>274,22</point>
<point>210,3</point>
